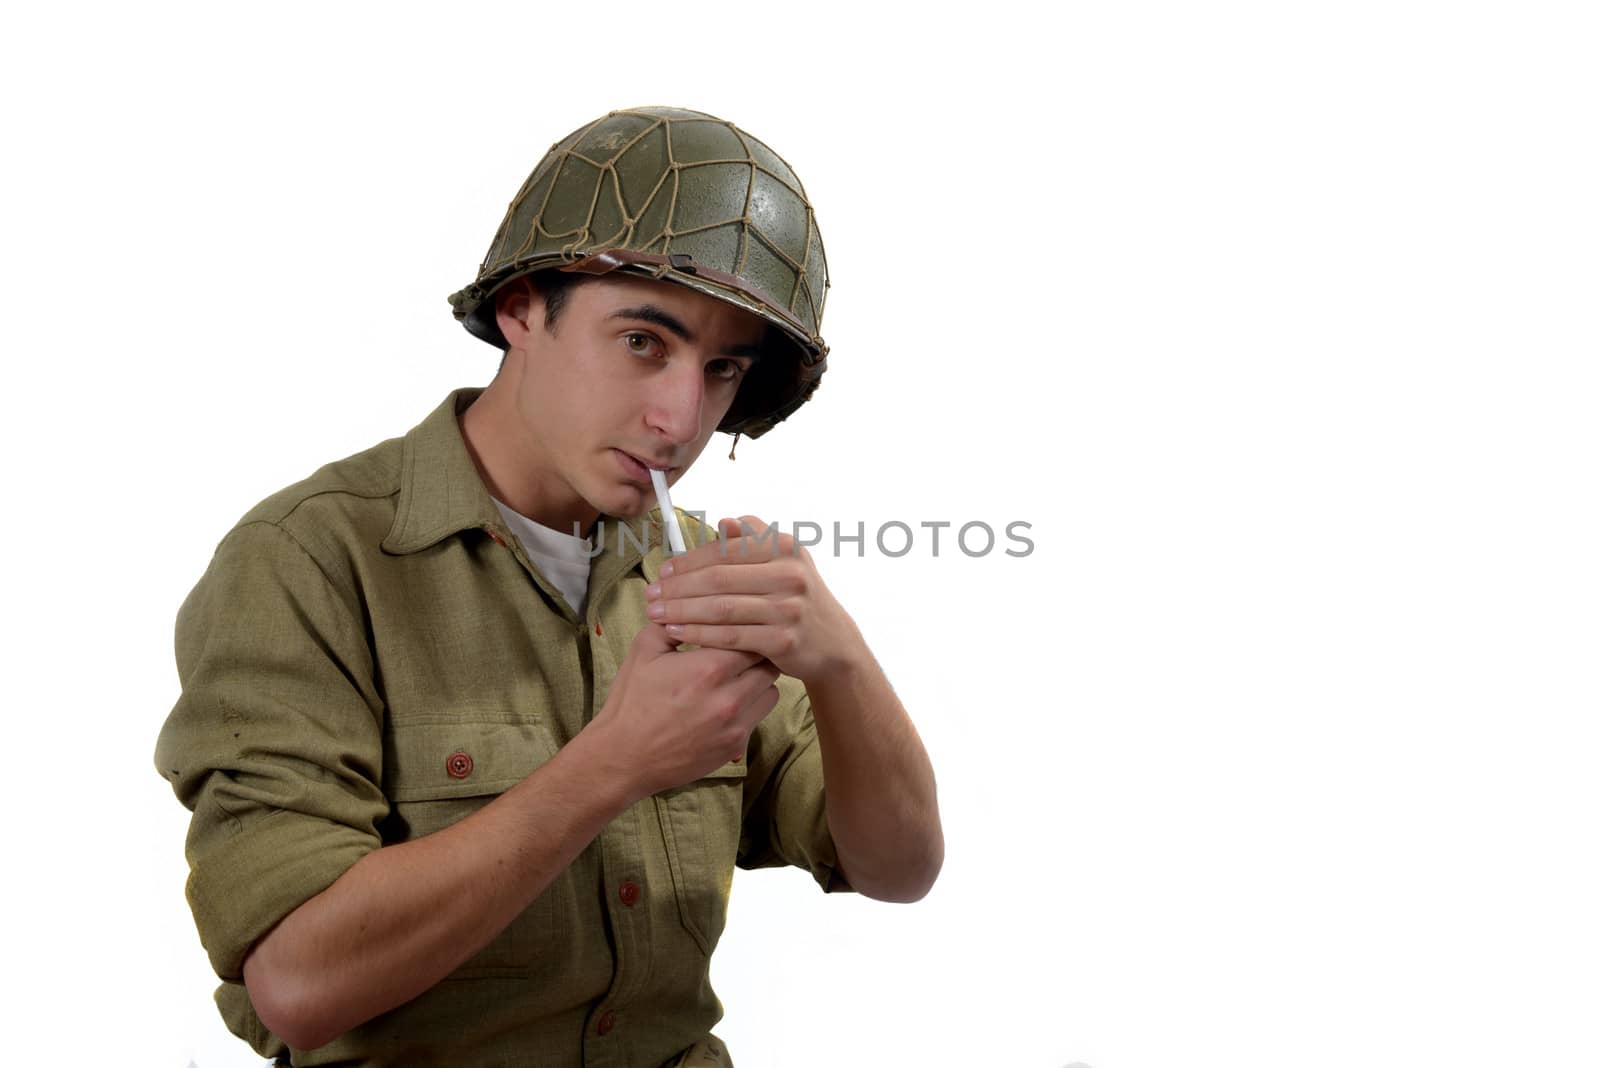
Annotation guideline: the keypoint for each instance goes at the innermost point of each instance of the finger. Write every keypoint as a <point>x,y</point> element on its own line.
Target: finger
<point>653,641</point>
<point>735,608</point>
<point>707,581</point>
<point>751,548</point>
<point>736,527</point>
<point>728,663</point>
<point>776,579</point>
<point>762,669</point>
<point>758,707</point>
<point>759,640</point>
<point>736,547</point>
<point>752,684</point>
<point>760,539</point>
<point>699,556</point>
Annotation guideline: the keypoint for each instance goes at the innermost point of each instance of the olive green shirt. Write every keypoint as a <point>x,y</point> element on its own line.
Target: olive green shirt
<point>369,658</point>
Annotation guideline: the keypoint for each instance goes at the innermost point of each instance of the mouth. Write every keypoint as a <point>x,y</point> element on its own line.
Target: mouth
<point>638,469</point>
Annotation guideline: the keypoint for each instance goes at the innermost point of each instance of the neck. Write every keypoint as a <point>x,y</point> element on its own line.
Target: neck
<point>513,465</point>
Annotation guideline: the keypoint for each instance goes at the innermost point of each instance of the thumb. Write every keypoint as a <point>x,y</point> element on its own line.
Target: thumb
<point>652,642</point>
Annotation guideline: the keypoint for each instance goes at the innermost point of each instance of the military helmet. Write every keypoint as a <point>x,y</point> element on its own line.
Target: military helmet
<point>684,197</point>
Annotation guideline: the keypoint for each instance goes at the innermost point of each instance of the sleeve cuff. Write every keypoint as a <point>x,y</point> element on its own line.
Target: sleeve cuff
<point>250,882</point>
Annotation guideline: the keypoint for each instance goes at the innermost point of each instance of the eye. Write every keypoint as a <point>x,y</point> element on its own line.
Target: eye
<point>726,370</point>
<point>640,344</point>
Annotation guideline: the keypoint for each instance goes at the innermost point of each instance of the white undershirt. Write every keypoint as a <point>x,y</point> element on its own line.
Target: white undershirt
<point>562,558</point>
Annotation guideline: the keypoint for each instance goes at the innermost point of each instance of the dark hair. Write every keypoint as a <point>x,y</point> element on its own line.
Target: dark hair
<point>554,287</point>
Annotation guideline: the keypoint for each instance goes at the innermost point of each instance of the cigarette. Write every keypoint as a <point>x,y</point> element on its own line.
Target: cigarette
<point>668,515</point>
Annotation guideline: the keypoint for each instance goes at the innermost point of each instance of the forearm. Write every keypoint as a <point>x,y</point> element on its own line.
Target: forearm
<point>883,810</point>
<point>405,916</point>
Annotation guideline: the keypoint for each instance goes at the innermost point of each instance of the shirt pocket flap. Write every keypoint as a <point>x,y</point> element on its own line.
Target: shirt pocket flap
<point>437,773</point>
<point>439,761</point>
<point>730,770</point>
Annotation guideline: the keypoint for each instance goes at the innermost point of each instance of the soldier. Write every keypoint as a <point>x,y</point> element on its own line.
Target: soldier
<point>468,788</point>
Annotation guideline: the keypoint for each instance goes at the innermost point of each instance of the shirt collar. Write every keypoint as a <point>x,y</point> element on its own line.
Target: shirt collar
<point>441,493</point>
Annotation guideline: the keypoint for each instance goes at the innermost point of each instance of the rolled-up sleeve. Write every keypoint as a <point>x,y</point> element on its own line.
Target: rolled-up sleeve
<point>786,810</point>
<point>275,743</point>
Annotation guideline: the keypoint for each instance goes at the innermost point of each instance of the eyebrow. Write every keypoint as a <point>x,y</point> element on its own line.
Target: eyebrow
<point>649,313</point>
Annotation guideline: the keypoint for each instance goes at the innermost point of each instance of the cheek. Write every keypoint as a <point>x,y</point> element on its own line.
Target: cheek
<point>712,418</point>
<point>578,392</point>
<point>720,397</point>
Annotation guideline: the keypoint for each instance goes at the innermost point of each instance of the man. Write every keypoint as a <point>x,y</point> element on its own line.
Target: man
<point>469,789</point>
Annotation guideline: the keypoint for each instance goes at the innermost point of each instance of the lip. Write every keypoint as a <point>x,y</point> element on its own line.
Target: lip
<point>638,469</point>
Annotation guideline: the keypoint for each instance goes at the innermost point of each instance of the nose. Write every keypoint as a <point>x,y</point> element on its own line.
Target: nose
<point>677,403</point>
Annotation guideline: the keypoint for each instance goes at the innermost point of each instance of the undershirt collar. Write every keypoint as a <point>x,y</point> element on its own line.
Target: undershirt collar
<point>563,558</point>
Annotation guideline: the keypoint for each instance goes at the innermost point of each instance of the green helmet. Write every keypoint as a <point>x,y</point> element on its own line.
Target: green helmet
<point>683,197</point>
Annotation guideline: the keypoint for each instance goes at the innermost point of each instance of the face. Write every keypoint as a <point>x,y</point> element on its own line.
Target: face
<point>635,374</point>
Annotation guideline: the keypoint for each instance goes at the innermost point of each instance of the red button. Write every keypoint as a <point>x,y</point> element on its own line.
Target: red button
<point>608,1020</point>
<point>458,765</point>
<point>629,893</point>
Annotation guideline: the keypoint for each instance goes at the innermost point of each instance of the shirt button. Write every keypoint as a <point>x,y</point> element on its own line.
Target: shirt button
<point>608,1020</point>
<point>458,765</point>
<point>629,893</point>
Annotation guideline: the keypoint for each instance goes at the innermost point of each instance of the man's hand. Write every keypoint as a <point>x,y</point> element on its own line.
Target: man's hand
<point>756,590</point>
<point>673,716</point>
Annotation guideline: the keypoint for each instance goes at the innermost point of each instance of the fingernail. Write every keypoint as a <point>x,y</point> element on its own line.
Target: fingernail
<point>675,630</point>
<point>666,569</point>
<point>652,591</point>
<point>657,610</point>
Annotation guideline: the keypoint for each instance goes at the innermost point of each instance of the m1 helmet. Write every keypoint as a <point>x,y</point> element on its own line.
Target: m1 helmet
<point>684,197</point>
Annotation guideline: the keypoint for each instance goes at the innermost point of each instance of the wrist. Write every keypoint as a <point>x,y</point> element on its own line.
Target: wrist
<point>850,661</point>
<point>612,771</point>
<point>837,692</point>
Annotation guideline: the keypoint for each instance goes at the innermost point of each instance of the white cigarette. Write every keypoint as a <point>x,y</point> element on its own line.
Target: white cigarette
<point>668,515</point>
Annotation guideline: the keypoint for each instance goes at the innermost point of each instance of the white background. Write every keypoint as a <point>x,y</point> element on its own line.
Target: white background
<point>1277,322</point>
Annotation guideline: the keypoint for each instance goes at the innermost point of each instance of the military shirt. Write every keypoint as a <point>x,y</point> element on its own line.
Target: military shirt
<point>369,658</point>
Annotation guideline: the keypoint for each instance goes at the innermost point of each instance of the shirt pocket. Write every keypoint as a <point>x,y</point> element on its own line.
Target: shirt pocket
<point>439,773</point>
<point>700,824</point>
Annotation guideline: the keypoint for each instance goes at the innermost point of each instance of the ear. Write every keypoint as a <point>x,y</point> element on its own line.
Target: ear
<point>518,309</point>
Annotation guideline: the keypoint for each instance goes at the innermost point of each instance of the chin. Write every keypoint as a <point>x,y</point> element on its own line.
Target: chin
<point>637,510</point>
<point>627,502</point>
